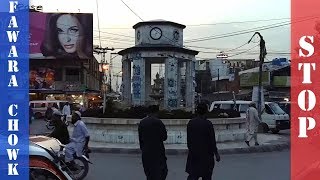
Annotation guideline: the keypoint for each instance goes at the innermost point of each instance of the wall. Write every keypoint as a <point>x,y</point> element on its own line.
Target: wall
<point>219,67</point>
<point>115,130</point>
<point>89,75</point>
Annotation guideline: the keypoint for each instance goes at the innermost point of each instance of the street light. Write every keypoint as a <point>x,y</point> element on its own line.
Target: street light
<point>105,68</point>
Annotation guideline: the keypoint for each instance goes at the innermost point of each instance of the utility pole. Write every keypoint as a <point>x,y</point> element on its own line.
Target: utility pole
<point>218,83</point>
<point>263,53</point>
<point>103,51</point>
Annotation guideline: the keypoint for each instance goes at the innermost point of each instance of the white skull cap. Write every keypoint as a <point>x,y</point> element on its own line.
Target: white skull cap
<point>77,112</point>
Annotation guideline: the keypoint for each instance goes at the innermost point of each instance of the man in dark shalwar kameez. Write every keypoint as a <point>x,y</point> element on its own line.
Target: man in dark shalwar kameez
<point>152,133</point>
<point>202,146</point>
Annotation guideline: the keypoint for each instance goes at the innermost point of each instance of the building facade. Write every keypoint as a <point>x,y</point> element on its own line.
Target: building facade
<point>62,65</point>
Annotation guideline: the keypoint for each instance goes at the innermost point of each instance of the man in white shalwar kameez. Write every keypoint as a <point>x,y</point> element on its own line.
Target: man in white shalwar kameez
<point>78,141</point>
<point>253,122</point>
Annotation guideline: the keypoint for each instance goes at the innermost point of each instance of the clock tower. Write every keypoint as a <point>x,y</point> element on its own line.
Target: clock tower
<point>159,32</point>
<point>159,42</point>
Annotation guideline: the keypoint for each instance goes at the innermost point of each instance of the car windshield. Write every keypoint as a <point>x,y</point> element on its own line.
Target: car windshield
<point>276,108</point>
<point>285,107</point>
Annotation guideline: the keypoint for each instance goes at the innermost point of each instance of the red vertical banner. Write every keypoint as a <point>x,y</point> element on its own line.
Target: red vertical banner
<point>305,90</point>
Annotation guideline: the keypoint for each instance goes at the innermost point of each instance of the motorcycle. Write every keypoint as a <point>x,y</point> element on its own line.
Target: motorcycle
<point>50,125</point>
<point>57,151</point>
<point>81,167</point>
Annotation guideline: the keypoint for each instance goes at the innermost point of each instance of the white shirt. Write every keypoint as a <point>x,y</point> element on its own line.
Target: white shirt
<point>66,110</point>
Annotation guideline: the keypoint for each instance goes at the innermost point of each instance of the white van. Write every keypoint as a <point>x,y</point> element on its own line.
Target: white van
<point>273,116</point>
<point>39,107</point>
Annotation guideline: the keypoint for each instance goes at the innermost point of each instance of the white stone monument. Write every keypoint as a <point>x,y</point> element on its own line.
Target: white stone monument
<point>158,42</point>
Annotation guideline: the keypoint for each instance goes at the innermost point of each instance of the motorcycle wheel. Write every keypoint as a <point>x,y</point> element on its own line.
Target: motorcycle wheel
<point>80,161</point>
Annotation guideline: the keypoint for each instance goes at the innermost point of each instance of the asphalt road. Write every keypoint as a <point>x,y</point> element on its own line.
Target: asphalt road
<point>260,166</point>
<point>38,127</point>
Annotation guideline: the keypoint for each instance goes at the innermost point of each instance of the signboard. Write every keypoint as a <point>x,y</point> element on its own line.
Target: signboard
<point>14,90</point>
<point>252,79</point>
<point>281,81</point>
<point>61,35</point>
<point>41,78</point>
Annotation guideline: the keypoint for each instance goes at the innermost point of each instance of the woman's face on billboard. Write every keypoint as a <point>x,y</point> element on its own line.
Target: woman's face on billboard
<point>68,32</point>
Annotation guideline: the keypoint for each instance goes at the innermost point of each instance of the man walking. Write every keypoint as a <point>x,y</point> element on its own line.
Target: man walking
<point>202,146</point>
<point>152,133</point>
<point>253,122</point>
<point>66,111</point>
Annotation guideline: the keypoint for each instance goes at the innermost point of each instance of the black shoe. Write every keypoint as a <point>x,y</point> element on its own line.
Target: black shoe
<point>256,144</point>
<point>72,166</point>
<point>247,142</point>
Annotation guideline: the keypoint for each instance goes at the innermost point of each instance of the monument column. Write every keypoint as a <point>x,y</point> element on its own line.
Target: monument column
<point>138,82</point>
<point>179,97</point>
<point>147,82</point>
<point>171,84</point>
<point>190,86</point>
<point>126,80</point>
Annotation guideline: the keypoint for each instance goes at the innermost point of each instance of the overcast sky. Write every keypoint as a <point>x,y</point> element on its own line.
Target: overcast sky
<point>116,18</point>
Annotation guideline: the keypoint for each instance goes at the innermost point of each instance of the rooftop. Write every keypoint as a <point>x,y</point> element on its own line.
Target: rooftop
<point>158,22</point>
<point>157,47</point>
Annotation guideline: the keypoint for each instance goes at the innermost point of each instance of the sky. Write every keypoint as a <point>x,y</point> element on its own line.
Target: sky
<point>116,18</point>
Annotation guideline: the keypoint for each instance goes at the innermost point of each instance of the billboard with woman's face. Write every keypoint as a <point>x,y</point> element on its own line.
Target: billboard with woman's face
<point>61,35</point>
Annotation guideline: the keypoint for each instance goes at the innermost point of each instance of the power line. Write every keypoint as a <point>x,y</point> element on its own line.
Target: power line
<point>132,10</point>
<point>116,34</point>
<point>237,32</point>
<point>218,23</point>
<point>118,42</point>
<point>244,51</point>
<point>149,25</point>
<point>237,22</point>
<point>245,31</point>
<point>236,47</point>
<point>114,38</point>
<point>230,55</point>
<point>98,21</point>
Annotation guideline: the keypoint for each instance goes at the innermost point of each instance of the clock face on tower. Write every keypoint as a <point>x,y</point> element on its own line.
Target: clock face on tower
<point>138,35</point>
<point>176,35</point>
<point>155,33</point>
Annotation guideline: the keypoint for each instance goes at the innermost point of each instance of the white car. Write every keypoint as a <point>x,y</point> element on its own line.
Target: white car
<point>273,117</point>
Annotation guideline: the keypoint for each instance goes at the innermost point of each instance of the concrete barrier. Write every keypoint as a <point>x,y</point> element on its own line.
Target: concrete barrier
<point>118,130</point>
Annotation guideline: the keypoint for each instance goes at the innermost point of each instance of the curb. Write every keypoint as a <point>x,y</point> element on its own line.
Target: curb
<point>255,149</point>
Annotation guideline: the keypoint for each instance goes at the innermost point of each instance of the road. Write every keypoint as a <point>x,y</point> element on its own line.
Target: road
<point>38,127</point>
<point>260,166</point>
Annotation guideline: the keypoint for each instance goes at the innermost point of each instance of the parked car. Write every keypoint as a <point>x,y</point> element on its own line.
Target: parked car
<point>42,164</point>
<point>285,105</point>
<point>273,117</point>
<point>39,107</point>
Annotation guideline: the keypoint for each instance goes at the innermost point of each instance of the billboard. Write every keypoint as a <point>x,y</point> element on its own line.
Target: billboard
<point>41,78</point>
<point>61,35</point>
<point>281,81</point>
<point>252,79</point>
